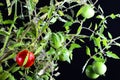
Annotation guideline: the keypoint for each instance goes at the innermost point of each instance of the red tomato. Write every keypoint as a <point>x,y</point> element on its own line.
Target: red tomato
<point>20,58</point>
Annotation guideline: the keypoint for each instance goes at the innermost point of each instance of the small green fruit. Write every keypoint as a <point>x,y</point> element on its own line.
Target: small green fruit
<point>87,11</point>
<point>90,73</point>
<point>99,68</point>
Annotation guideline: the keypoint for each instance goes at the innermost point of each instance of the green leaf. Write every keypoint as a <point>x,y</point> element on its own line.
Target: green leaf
<point>99,59</point>
<point>30,5</point>
<point>11,56</point>
<point>112,55</point>
<point>5,75</point>
<point>2,32</point>
<point>1,18</point>
<point>62,37</point>
<point>55,41</point>
<point>109,35</point>
<point>79,11</point>
<point>53,20</point>
<point>19,32</point>
<point>113,16</point>
<point>88,51</point>
<point>28,78</point>
<point>44,9</point>
<point>79,30</point>
<point>15,69</point>
<point>67,25</point>
<point>11,77</point>
<point>51,51</point>
<point>96,50</point>
<point>101,30</point>
<point>100,17</point>
<point>97,42</point>
<point>15,45</point>
<point>73,46</point>
<point>96,27</point>
<point>50,12</point>
<point>8,22</point>
<point>60,13</point>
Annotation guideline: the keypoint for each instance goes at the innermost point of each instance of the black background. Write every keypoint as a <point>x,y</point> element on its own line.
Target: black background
<point>73,71</point>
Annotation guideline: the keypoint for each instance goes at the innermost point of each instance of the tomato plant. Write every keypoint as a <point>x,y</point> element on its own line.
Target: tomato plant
<point>38,34</point>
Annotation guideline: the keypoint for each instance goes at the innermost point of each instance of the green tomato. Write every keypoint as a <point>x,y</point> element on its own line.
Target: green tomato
<point>99,68</point>
<point>87,11</point>
<point>90,73</point>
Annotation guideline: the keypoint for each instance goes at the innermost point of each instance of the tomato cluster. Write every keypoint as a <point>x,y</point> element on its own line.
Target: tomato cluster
<point>95,70</point>
<point>22,56</point>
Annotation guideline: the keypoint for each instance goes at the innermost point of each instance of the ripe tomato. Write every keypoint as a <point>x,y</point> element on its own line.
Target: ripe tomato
<point>87,11</point>
<point>90,73</point>
<point>20,58</point>
<point>99,68</point>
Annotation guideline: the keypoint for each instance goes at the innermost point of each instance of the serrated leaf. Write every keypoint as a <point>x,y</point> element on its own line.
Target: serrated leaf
<point>73,46</point>
<point>51,51</point>
<point>112,55</point>
<point>67,25</point>
<point>113,16</point>
<point>88,51</point>
<point>98,59</point>
<point>97,41</point>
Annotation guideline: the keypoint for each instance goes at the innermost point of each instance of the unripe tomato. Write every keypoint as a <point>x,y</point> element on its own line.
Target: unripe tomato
<point>20,58</point>
<point>90,73</point>
<point>99,68</point>
<point>87,11</point>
